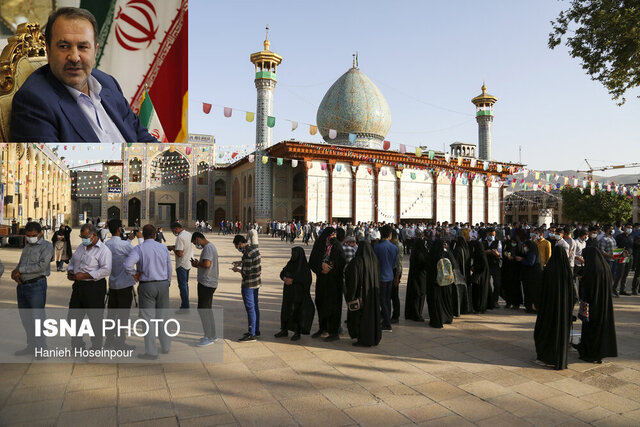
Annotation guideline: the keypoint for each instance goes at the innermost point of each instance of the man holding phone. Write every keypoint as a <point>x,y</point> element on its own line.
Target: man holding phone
<point>184,252</point>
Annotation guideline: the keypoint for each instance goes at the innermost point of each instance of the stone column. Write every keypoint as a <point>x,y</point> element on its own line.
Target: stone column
<point>486,202</point>
<point>398,195</point>
<point>453,200</point>
<point>376,171</point>
<point>330,167</point>
<point>305,165</point>
<point>470,200</point>
<point>501,201</point>
<point>354,171</point>
<point>434,196</point>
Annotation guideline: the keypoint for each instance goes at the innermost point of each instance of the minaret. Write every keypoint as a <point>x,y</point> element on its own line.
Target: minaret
<point>265,63</point>
<point>484,117</point>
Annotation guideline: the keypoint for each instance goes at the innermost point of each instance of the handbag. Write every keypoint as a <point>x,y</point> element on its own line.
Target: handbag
<point>583,311</point>
<point>355,304</point>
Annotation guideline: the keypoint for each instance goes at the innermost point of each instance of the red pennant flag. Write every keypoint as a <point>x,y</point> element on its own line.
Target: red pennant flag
<point>206,108</point>
<point>233,155</point>
<point>386,145</point>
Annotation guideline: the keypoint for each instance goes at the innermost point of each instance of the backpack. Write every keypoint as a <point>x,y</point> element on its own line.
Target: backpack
<point>445,272</point>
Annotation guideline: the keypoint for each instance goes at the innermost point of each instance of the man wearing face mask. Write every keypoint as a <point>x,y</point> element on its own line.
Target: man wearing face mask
<point>184,251</point>
<point>624,241</point>
<point>120,283</point>
<point>544,246</point>
<point>493,249</point>
<point>580,244</point>
<point>88,268</point>
<point>208,272</point>
<point>31,277</point>
<point>593,237</point>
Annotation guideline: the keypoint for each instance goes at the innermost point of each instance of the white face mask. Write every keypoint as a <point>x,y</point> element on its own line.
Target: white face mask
<point>32,240</point>
<point>628,230</point>
<point>594,235</point>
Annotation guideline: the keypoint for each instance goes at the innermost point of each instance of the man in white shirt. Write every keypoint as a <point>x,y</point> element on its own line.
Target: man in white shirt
<point>88,268</point>
<point>183,249</point>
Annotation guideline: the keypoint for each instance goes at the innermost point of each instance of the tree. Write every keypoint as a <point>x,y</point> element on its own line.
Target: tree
<point>606,37</point>
<point>601,207</point>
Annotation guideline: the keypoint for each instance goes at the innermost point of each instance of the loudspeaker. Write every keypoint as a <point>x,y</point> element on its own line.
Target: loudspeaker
<point>8,200</point>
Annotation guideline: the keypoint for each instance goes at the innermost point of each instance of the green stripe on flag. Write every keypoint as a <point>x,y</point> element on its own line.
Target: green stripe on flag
<point>103,10</point>
<point>146,110</point>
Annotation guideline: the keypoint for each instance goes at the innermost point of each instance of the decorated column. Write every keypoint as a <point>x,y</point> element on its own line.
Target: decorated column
<point>265,63</point>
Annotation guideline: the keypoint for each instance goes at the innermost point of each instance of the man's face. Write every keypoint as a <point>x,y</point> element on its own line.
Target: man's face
<point>84,234</point>
<point>33,233</point>
<point>72,54</point>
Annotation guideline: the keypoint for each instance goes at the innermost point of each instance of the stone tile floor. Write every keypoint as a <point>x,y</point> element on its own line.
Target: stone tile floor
<point>478,371</point>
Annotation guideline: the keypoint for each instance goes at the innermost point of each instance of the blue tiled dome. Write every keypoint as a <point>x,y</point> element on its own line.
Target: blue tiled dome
<point>354,104</point>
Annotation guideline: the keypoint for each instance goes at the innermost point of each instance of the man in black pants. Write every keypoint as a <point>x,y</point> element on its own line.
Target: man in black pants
<point>88,268</point>
<point>120,283</point>
<point>208,272</point>
<point>397,274</point>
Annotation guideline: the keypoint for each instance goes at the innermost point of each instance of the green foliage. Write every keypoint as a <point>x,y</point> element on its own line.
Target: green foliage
<point>605,35</point>
<point>602,207</point>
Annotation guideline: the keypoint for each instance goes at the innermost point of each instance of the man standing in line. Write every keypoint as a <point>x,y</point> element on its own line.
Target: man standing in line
<point>544,246</point>
<point>120,283</point>
<point>250,269</point>
<point>150,264</point>
<point>387,254</point>
<point>88,268</point>
<point>208,271</point>
<point>31,277</point>
<point>183,251</point>
<point>624,241</point>
<point>397,275</point>
<point>252,236</point>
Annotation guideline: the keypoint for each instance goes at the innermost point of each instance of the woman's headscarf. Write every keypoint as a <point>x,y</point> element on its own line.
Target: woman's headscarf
<point>297,268</point>
<point>319,249</point>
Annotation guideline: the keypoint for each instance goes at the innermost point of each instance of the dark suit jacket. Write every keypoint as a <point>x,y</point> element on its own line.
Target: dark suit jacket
<point>44,111</point>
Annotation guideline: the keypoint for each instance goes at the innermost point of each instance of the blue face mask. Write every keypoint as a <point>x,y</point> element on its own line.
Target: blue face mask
<point>491,238</point>
<point>86,241</point>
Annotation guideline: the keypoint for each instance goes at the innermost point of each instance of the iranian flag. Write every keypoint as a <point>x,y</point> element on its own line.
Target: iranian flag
<point>149,118</point>
<point>144,44</point>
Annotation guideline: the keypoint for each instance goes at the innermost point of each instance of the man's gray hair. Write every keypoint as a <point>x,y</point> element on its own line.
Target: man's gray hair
<point>89,227</point>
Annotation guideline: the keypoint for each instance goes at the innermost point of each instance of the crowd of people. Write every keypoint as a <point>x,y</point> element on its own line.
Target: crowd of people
<point>459,269</point>
<point>454,270</point>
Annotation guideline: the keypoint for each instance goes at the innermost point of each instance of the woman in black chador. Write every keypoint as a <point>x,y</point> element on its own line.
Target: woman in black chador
<point>531,273</point>
<point>327,260</point>
<point>439,298</point>
<point>511,284</point>
<point>480,277</point>
<point>297,310</point>
<point>416,282</point>
<point>362,280</point>
<point>598,338</point>
<point>462,270</point>
<point>554,308</point>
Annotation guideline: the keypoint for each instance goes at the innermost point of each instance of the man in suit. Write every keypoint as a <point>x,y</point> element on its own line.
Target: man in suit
<point>68,100</point>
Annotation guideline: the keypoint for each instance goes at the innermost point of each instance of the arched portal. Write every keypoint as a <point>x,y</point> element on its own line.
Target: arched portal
<point>235,195</point>
<point>202,210</point>
<point>134,211</point>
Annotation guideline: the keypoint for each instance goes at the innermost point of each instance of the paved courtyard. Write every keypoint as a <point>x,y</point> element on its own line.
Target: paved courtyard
<point>478,371</point>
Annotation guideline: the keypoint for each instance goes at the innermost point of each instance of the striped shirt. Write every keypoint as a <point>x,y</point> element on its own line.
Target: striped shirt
<point>251,267</point>
<point>349,253</point>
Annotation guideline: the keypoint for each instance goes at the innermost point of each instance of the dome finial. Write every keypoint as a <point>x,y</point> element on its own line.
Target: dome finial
<point>484,88</point>
<point>266,40</point>
<point>355,60</point>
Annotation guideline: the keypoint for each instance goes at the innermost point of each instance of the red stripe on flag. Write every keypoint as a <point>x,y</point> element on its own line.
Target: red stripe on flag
<point>206,108</point>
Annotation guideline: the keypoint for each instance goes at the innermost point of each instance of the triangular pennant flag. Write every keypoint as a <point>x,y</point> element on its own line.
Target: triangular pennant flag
<point>227,111</point>
<point>352,138</point>
<point>233,155</point>
<point>271,121</point>
<point>418,152</point>
<point>339,168</point>
<point>249,116</point>
<point>399,174</point>
<point>459,160</point>
<point>474,163</point>
<point>413,175</point>
<point>403,148</point>
<point>313,129</point>
<point>333,133</point>
<point>205,107</point>
<point>323,166</point>
<point>432,154</point>
<point>447,157</point>
<point>386,145</point>
<point>294,126</point>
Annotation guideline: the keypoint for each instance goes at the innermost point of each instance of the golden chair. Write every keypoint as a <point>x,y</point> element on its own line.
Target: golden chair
<point>24,54</point>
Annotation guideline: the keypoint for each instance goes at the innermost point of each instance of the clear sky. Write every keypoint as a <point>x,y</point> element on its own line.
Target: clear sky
<point>428,58</point>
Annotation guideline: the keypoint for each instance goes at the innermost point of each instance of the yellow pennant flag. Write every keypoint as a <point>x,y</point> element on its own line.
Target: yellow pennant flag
<point>265,159</point>
<point>313,129</point>
<point>418,152</point>
<point>250,116</point>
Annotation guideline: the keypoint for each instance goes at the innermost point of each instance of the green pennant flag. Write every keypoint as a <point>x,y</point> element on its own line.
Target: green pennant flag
<point>271,121</point>
<point>279,161</point>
